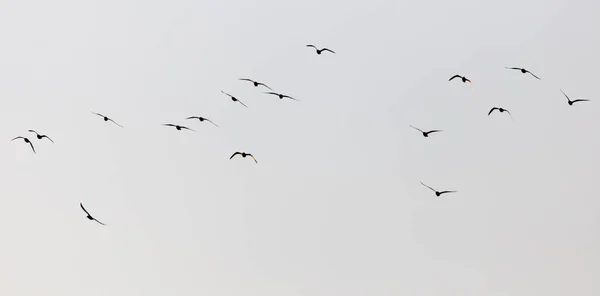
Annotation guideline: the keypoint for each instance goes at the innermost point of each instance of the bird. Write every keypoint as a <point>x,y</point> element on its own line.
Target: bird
<point>88,214</point>
<point>202,119</point>
<point>319,51</point>
<point>438,193</point>
<point>178,127</point>
<point>281,96</point>
<point>40,136</point>
<point>523,71</point>
<point>234,99</point>
<point>26,141</point>
<point>106,118</point>
<point>574,101</point>
<point>501,110</point>
<point>426,134</point>
<point>464,79</point>
<point>244,154</point>
<point>256,83</point>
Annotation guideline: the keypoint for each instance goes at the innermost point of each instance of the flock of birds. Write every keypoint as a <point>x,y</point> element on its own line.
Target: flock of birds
<point>320,51</point>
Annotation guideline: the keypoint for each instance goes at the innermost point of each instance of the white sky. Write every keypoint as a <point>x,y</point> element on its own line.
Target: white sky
<point>334,206</point>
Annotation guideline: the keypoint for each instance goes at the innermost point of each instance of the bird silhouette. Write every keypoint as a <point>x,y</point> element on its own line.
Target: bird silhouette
<point>256,83</point>
<point>40,136</point>
<point>438,193</point>
<point>426,134</point>
<point>106,118</point>
<point>281,96</point>
<point>501,110</point>
<point>26,141</point>
<point>319,51</point>
<point>234,99</point>
<point>523,71</point>
<point>202,119</point>
<point>464,79</point>
<point>178,127</point>
<point>243,154</point>
<point>88,214</point>
<point>573,101</point>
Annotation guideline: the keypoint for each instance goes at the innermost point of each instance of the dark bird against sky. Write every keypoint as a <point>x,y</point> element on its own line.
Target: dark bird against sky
<point>40,136</point>
<point>501,111</point>
<point>178,127</point>
<point>243,154</point>
<point>26,141</point>
<point>426,134</point>
<point>281,96</point>
<point>464,79</point>
<point>202,119</point>
<point>88,214</point>
<point>438,193</point>
<point>234,99</point>
<point>573,101</point>
<point>106,118</point>
<point>256,83</point>
<point>319,51</point>
<point>523,71</point>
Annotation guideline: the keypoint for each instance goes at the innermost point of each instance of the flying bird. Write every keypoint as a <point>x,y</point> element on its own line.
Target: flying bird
<point>88,214</point>
<point>202,119</point>
<point>106,118</point>
<point>464,79</point>
<point>178,127</point>
<point>256,83</point>
<point>234,99</point>
<point>26,141</point>
<point>243,154</point>
<point>281,96</point>
<point>40,136</point>
<point>573,101</point>
<point>438,193</point>
<point>426,134</point>
<point>523,71</point>
<point>501,110</point>
<point>319,51</point>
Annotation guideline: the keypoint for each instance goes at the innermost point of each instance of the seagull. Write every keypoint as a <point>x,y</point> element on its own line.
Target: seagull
<point>202,119</point>
<point>319,51</point>
<point>26,141</point>
<point>256,83</point>
<point>574,101</point>
<point>464,79</point>
<point>106,118</point>
<point>178,127</point>
<point>426,134</point>
<point>243,154</point>
<point>523,71</point>
<point>438,193</point>
<point>234,99</point>
<point>40,136</point>
<point>88,214</point>
<point>281,96</point>
<point>499,109</point>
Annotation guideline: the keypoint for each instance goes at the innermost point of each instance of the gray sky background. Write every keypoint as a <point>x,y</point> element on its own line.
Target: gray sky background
<point>334,206</point>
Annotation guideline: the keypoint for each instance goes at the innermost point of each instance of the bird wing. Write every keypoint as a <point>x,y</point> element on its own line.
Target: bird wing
<point>246,79</point>
<point>260,83</point>
<point>253,158</point>
<point>416,128</point>
<point>31,144</point>
<point>428,187</point>
<point>169,124</point>
<point>242,103</point>
<point>533,75</point>
<point>193,117</point>
<point>272,93</point>
<point>447,191</point>
<point>211,121</point>
<point>234,155</point>
<point>115,122</point>
<point>32,131</point>
<point>454,77</point>
<point>310,45</point>
<point>565,95</point>
<point>580,100</point>
<point>513,68</point>
<point>327,49</point>
<point>44,136</point>
<point>98,221</point>
<point>81,205</point>
<point>227,94</point>
<point>19,137</point>
<point>434,131</point>
<point>467,79</point>
<point>187,128</point>
<point>492,110</point>
<point>286,96</point>
<point>97,114</point>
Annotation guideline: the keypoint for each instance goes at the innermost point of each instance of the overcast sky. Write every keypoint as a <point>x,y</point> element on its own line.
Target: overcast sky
<point>334,206</point>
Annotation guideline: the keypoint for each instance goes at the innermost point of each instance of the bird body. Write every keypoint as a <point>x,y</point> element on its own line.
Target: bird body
<point>243,154</point>
<point>234,99</point>
<point>523,70</point>
<point>319,51</point>
<point>464,79</point>
<point>26,141</point>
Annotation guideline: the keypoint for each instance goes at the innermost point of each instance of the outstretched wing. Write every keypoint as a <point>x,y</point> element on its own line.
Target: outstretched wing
<point>416,128</point>
<point>115,122</point>
<point>428,187</point>
<point>211,121</point>
<point>97,114</point>
<point>327,49</point>
<point>242,103</point>
<point>580,100</point>
<point>193,117</point>
<point>492,110</point>
<point>227,94</point>
<point>565,95</point>
<point>513,68</point>
<point>260,83</point>
<point>187,128</point>
<point>44,136</point>
<point>169,124</point>
<point>246,79</point>
<point>455,76</point>
<point>234,155</point>
<point>272,93</point>
<point>81,205</point>
<point>310,45</point>
<point>32,131</point>
<point>31,144</point>
<point>286,96</point>
<point>253,158</point>
<point>533,75</point>
<point>434,131</point>
<point>19,137</point>
<point>99,221</point>
<point>447,191</point>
